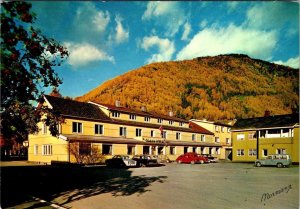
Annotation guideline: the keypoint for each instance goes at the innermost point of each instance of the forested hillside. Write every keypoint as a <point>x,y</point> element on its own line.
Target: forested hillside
<point>216,88</point>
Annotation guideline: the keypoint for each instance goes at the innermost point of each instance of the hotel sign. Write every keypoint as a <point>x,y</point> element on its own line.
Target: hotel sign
<point>154,140</point>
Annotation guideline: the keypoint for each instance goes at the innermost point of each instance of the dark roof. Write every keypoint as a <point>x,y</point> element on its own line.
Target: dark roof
<point>267,122</point>
<point>141,113</point>
<point>67,107</point>
<point>195,127</point>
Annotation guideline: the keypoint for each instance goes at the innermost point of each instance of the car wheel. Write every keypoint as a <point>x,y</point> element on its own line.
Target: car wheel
<point>192,162</point>
<point>258,164</point>
<point>179,161</point>
<point>201,161</point>
<point>279,165</point>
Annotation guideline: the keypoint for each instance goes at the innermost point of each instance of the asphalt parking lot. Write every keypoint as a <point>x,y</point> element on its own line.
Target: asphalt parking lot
<point>219,185</point>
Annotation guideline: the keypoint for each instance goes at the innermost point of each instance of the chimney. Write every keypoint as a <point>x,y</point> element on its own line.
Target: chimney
<point>171,113</point>
<point>117,103</point>
<point>267,113</point>
<point>143,108</point>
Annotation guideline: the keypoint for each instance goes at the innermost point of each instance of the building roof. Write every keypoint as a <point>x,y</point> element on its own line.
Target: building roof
<point>141,113</point>
<point>266,122</point>
<point>195,127</point>
<point>67,107</point>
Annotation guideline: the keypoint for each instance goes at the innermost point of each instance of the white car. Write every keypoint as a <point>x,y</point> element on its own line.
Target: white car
<point>120,161</point>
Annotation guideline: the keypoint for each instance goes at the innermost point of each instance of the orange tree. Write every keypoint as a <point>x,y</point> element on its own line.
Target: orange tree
<point>28,59</point>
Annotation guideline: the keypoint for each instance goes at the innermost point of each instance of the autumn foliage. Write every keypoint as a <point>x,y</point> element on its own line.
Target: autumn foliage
<point>216,88</point>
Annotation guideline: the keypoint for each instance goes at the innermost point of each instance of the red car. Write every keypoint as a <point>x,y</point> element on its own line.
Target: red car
<point>192,158</point>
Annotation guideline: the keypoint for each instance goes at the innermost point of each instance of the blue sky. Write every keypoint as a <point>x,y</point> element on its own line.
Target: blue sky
<point>107,39</point>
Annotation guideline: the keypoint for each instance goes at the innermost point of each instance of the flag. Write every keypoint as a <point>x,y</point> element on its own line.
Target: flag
<point>161,131</point>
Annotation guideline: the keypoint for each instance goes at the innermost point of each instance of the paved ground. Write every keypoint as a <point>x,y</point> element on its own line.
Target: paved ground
<point>220,185</point>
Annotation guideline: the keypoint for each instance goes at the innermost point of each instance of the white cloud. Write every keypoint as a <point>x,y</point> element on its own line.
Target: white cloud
<point>83,54</point>
<point>203,23</point>
<point>101,20</point>
<point>292,62</point>
<point>165,47</point>
<point>232,39</point>
<point>169,15</point>
<point>121,34</point>
<point>186,32</point>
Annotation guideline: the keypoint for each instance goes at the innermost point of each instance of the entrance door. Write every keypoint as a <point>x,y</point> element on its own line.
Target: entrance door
<point>185,149</point>
<point>228,154</point>
<point>146,150</point>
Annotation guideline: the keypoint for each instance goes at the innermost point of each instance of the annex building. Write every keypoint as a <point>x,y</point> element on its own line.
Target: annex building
<point>91,129</point>
<point>256,138</point>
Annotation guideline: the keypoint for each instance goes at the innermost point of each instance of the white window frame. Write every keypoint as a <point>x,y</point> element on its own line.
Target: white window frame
<point>180,123</point>
<point>217,128</point>
<point>147,119</point>
<point>164,134</point>
<point>138,132</point>
<point>173,150</point>
<point>36,149</point>
<point>152,133</point>
<point>240,137</point>
<point>252,152</point>
<point>217,139</point>
<point>222,129</point>
<point>228,130</point>
<point>281,151</point>
<point>47,149</point>
<point>263,152</point>
<point>218,150</point>
<point>194,137</point>
<point>99,129</point>
<point>77,127</point>
<point>228,140</point>
<point>178,136</point>
<point>240,152</point>
<point>132,116</point>
<point>159,120</point>
<point>115,114</point>
<point>251,136</point>
<point>202,137</point>
<point>44,128</point>
<point>171,122</point>
<point>123,131</point>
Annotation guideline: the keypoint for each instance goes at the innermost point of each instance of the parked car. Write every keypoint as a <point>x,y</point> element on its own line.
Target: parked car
<point>145,160</point>
<point>211,159</point>
<point>192,158</point>
<point>120,161</point>
<point>275,160</point>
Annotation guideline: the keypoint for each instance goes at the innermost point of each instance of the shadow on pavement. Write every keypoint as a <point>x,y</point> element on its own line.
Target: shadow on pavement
<point>67,184</point>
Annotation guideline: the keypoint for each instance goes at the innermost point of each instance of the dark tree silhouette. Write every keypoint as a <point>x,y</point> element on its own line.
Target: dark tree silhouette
<point>28,59</point>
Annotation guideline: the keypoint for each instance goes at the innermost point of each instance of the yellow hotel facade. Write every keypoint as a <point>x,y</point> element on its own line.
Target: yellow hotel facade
<point>256,138</point>
<point>114,130</point>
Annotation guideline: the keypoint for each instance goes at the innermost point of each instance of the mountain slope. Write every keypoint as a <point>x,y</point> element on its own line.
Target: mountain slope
<point>216,88</point>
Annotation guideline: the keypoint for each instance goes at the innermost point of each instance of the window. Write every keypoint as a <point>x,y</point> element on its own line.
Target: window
<point>36,149</point>
<point>152,133</point>
<point>218,151</point>
<point>98,129</point>
<point>172,151</point>
<point>138,132</point>
<point>203,138</point>
<point>123,131</point>
<point>132,117</point>
<point>265,152</point>
<point>193,137</point>
<point>252,152</point>
<point>222,128</point>
<point>44,128</point>
<point>228,130</point>
<point>59,128</point>
<point>178,136</point>
<point>195,149</point>
<point>106,149</point>
<point>147,119</point>
<point>85,148</point>
<point>240,136</point>
<point>227,141</point>
<point>164,134</point>
<point>240,152</point>
<point>281,151</point>
<point>262,134</point>
<point>130,150</point>
<point>180,123</point>
<point>251,136</point>
<point>77,127</point>
<point>159,120</point>
<point>171,122</point>
<point>217,128</point>
<point>115,114</point>
<point>47,149</point>
<point>217,139</point>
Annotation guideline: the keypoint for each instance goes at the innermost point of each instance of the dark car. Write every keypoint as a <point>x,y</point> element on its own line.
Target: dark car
<point>145,160</point>
<point>120,161</point>
<point>192,158</point>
